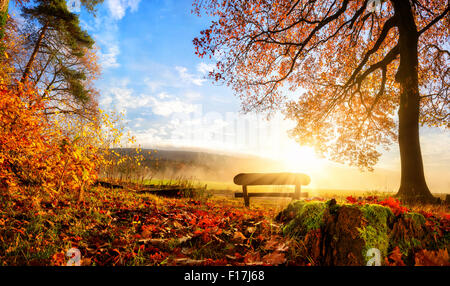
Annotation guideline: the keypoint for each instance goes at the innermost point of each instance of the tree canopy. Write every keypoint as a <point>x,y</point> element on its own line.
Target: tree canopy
<point>58,56</point>
<point>357,65</point>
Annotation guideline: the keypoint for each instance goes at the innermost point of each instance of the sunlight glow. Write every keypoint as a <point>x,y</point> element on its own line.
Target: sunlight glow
<point>298,158</point>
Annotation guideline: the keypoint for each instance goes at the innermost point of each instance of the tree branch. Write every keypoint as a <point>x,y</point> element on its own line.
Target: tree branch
<point>434,21</point>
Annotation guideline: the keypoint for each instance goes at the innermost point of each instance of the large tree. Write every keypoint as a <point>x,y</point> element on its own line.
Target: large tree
<point>58,57</point>
<point>361,63</point>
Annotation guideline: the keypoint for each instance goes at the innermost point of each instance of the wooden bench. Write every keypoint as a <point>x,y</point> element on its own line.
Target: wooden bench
<point>259,179</point>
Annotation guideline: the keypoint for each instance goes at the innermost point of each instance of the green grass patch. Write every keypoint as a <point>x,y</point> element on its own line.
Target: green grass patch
<point>309,216</point>
<point>376,233</point>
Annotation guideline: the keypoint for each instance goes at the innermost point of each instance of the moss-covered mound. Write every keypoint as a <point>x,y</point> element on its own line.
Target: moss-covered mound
<point>350,234</point>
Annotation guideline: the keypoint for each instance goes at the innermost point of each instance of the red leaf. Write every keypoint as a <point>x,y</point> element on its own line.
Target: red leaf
<point>351,199</point>
<point>395,258</point>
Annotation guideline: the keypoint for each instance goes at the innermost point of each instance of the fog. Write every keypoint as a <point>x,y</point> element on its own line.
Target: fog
<point>207,166</point>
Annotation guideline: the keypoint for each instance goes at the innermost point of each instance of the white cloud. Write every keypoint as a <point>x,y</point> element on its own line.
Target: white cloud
<point>189,78</point>
<point>205,68</point>
<point>167,108</point>
<point>133,5</point>
<point>108,59</point>
<point>105,30</point>
<point>434,145</point>
<point>153,85</point>
<point>192,95</point>
<point>148,137</point>
<point>184,131</point>
<point>162,76</point>
<point>118,8</point>
<point>122,98</point>
<point>106,101</point>
<point>163,95</point>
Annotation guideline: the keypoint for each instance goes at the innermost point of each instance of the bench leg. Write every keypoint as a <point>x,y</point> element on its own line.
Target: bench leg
<point>298,191</point>
<point>246,197</point>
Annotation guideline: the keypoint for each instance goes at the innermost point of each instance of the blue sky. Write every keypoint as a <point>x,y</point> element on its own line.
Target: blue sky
<point>148,64</point>
<point>150,72</point>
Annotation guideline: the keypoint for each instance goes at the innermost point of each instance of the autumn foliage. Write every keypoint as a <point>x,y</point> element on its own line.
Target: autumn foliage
<point>34,152</point>
<point>43,155</point>
<point>45,150</point>
<point>352,77</point>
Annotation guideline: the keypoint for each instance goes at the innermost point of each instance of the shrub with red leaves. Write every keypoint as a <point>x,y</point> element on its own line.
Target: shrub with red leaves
<point>351,200</point>
<point>394,205</point>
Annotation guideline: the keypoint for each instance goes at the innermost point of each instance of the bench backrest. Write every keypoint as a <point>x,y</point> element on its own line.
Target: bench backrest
<point>256,179</point>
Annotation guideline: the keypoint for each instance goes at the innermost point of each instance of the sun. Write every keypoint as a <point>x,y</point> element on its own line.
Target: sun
<point>298,158</point>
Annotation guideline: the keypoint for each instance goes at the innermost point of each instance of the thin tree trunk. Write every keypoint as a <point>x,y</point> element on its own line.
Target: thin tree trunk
<point>29,65</point>
<point>81,194</point>
<point>43,70</point>
<point>413,186</point>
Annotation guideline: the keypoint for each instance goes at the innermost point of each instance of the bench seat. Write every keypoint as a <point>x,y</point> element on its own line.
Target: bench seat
<point>259,179</point>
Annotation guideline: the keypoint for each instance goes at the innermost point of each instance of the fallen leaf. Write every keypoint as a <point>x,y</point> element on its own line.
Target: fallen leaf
<point>86,262</point>
<point>184,239</point>
<point>270,244</point>
<point>252,258</point>
<point>188,262</point>
<point>282,247</point>
<point>186,251</point>
<point>238,236</point>
<point>158,242</point>
<point>274,258</point>
<point>432,258</point>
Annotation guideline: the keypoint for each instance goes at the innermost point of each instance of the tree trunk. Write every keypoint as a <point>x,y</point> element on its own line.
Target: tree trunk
<point>81,194</point>
<point>27,70</point>
<point>413,186</point>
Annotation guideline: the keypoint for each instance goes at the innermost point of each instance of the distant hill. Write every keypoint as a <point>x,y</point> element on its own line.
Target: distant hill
<point>172,164</point>
<point>201,165</point>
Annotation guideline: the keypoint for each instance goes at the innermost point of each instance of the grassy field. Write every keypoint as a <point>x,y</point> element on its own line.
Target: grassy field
<point>224,191</point>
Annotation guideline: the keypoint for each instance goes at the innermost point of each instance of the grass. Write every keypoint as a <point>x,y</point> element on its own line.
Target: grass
<point>308,217</point>
<point>375,233</point>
